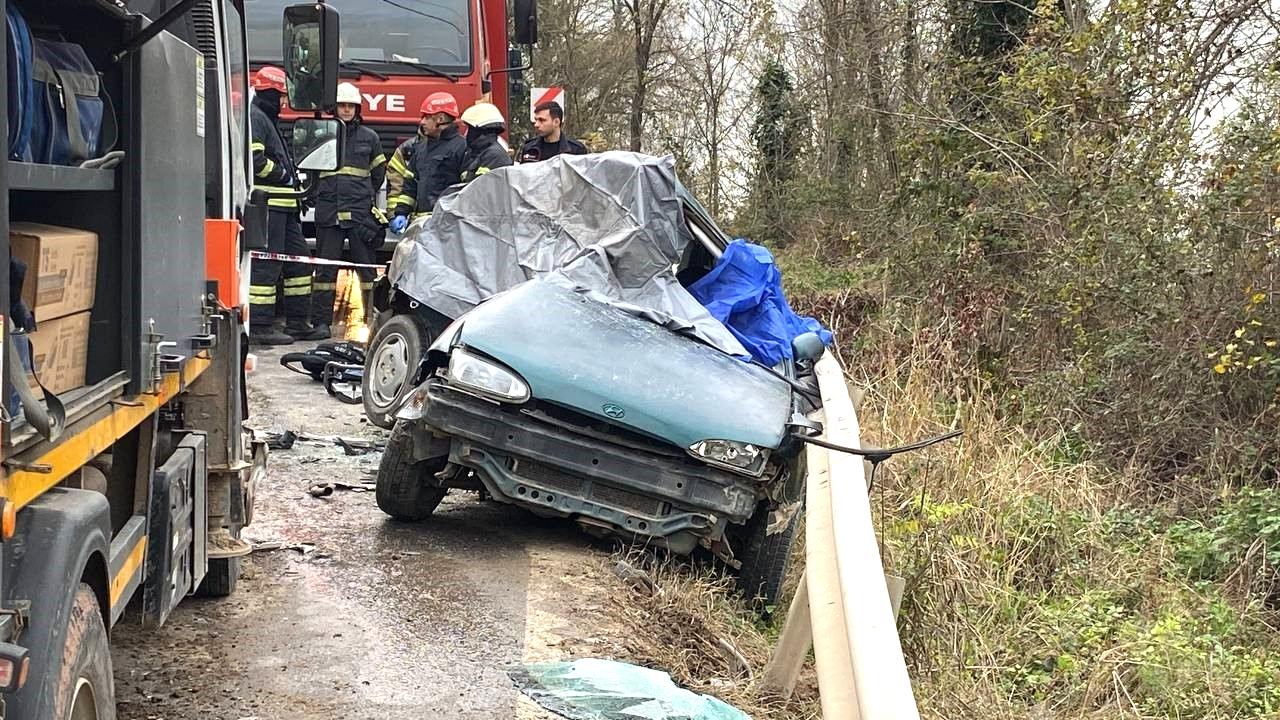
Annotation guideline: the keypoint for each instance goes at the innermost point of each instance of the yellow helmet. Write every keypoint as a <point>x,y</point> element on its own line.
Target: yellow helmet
<point>484,115</point>
<point>348,93</point>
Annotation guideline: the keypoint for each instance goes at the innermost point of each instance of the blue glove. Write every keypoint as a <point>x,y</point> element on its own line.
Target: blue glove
<point>399,224</point>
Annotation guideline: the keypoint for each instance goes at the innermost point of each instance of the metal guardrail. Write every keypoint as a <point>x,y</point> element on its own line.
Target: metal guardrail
<point>842,607</point>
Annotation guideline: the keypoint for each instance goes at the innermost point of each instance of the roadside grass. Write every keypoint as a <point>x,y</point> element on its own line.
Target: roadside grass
<point>696,628</point>
<point>1040,583</point>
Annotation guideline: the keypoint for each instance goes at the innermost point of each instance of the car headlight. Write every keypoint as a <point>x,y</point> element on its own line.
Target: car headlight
<point>737,456</point>
<point>485,377</point>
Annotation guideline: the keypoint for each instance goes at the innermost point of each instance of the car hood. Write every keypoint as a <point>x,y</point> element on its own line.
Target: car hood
<point>604,362</point>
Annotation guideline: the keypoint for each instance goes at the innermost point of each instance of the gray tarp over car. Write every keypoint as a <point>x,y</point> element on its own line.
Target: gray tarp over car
<point>609,224</point>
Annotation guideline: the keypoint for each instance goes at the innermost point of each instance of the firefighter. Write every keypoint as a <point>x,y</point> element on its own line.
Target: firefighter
<point>549,139</point>
<point>398,165</point>
<point>484,124</point>
<point>436,165</point>
<point>274,172</point>
<point>346,209</point>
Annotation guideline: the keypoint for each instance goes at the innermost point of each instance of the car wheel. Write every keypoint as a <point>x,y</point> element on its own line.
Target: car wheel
<point>85,689</point>
<point>389,366</point>
<point>764,558</point>
<point>402,488</point>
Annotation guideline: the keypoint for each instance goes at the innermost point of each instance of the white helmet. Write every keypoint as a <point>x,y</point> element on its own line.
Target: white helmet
<point>484,115</point>
<point>348,93</point>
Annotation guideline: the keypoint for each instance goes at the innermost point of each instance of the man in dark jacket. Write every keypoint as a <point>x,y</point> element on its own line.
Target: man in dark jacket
<point>436,163</point>
<point>484,123</point>
<point>549,139</point>
<point>274,172</point>
<point>346,210</point>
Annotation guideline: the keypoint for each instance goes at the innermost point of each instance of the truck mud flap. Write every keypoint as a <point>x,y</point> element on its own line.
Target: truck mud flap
<point>177,554</point>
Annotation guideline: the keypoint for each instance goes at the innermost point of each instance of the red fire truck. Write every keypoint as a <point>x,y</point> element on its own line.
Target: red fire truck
<point>400,51</point>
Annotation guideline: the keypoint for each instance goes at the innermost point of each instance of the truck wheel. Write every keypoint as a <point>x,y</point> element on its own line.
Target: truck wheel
<point>402,490</point>
<point>389,367</point>
<point>221,577</point>
<point>764,558</point>
<point>86,689</point>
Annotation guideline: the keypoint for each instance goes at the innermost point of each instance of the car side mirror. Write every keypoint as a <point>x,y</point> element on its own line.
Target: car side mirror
<point>525,16</point>
<point>318,143</point>
<point>311,56</point>
<point>807,346</point>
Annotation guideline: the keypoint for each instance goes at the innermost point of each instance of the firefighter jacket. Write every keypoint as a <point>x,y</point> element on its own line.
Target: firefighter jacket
<point>273,168</point>
<point>398,165</point>
<point>484,153</point>
<point>347,196</point>
<point>437,164</point>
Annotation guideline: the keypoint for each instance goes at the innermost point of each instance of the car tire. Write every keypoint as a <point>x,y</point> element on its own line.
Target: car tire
<point>402,488</point>
<point>221,578</point>
<point>764,558</point>
<point>85,688</point>
<point>390,363</point>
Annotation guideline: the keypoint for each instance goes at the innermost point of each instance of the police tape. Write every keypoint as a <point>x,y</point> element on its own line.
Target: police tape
<point>308,260</point>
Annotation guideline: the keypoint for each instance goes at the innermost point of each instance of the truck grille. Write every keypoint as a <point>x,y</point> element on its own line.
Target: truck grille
<point>201,19</point>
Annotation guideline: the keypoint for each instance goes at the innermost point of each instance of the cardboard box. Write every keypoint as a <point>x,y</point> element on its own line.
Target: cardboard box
<point>62,268</point>
<point>59,349</point>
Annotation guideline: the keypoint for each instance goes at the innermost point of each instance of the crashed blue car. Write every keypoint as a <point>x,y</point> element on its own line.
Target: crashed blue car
<point>536,342</point>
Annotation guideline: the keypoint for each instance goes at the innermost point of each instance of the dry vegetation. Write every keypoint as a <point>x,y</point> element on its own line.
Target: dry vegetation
<point>1054,225</point>
<point>683,629</point>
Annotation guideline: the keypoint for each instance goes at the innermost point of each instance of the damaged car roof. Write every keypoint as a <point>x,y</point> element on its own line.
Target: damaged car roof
<point>610,225</point>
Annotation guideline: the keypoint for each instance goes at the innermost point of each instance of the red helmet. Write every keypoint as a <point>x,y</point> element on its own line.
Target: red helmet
<point>441,102</point>
<point>268,77</point>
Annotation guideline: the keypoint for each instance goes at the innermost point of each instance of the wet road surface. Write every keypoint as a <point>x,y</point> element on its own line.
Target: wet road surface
<point>366,617</point>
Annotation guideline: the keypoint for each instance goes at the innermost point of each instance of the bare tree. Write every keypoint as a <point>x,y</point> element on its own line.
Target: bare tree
<point>645,19</point>
<point>584,50</point>
<point>717,40</point>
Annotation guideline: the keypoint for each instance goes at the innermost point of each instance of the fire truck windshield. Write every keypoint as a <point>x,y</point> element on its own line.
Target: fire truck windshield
<point>403,37</point>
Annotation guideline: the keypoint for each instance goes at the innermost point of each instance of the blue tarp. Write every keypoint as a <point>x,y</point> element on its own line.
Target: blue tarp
<point>744,292</point>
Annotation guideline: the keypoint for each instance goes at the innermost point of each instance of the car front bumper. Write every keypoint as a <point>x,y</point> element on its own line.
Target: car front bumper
<point>525,459</point>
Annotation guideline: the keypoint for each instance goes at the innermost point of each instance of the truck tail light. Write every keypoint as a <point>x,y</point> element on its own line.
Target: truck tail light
<point>8,519</point>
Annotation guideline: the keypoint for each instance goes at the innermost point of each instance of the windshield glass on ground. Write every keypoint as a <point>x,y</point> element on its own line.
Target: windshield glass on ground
<point>379,32</point>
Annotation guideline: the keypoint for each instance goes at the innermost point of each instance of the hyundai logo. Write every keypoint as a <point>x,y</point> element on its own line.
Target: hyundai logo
<point>614,411</point>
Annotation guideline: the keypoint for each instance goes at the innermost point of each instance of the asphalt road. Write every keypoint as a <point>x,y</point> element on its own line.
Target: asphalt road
<point>365,617</point>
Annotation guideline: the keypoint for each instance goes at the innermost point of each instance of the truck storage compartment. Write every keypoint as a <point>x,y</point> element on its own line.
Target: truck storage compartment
<point>67,223</point>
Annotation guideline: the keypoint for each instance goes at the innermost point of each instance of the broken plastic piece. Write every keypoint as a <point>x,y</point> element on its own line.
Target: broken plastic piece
<point>282,441</point>
<point>594,689</point>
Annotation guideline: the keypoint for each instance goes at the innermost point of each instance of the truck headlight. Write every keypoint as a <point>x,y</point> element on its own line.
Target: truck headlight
<point>485,377</point>
<point>737,456</point>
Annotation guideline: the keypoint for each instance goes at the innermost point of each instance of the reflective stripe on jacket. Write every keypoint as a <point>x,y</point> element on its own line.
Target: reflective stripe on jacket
<point>437,164</point>
<point>398,165</point>
<point>273,168</point>
<point>484,154</point>
<point>348,194</point>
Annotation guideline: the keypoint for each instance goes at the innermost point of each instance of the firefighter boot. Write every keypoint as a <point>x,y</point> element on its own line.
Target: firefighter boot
<point>265,335</point>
